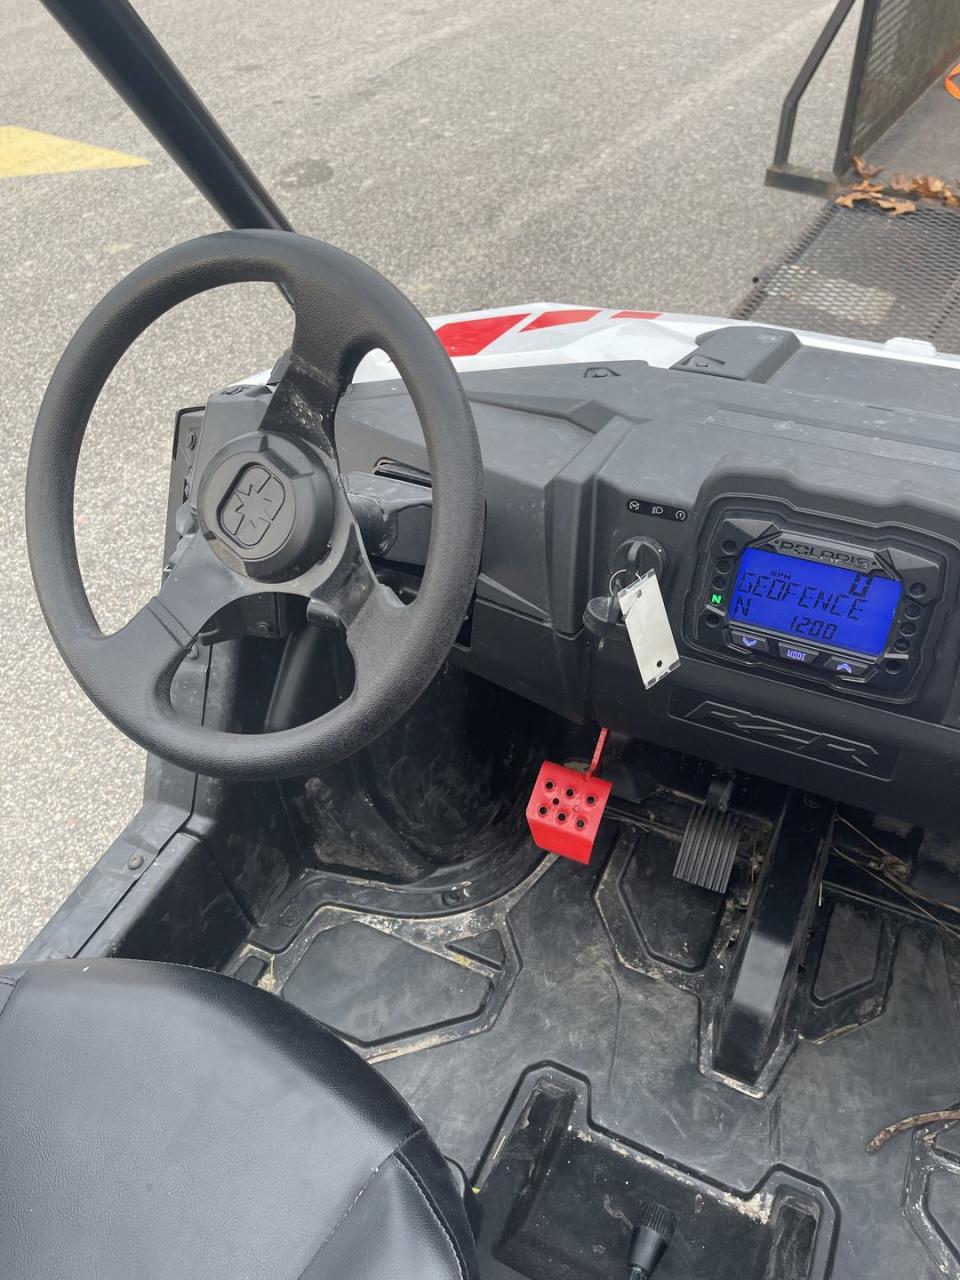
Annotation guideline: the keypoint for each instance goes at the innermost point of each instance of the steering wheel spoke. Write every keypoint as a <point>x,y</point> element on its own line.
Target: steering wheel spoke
<point>380,630</point>
<point>142,657</point>
<point>197,587</point>
<point>304,403</point>
<point>373,620</point>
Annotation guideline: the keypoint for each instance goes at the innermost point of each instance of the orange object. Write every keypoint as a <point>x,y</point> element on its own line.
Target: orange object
<point>950,84</point>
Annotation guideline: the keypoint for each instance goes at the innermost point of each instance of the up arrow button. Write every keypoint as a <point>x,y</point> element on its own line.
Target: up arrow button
<point>846,666</point>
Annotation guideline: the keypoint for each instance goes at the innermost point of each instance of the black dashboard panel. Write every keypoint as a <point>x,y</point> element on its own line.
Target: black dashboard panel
<point>844,461</point>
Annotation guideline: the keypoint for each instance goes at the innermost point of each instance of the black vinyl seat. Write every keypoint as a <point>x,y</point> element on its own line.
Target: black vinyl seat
<point>165,1123</point>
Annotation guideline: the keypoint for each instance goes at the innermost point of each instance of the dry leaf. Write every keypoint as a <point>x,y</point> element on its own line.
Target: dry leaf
<point>932,188</point>
<point>889,204</point>
<point>866,170</point>
<point>877,194</point>
<point>897,207</point>
<point>850,198</point>
<point>935,189</point>
<point>926,187</point>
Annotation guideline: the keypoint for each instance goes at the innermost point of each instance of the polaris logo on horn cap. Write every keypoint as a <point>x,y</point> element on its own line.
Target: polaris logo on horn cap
<point>251,505</point>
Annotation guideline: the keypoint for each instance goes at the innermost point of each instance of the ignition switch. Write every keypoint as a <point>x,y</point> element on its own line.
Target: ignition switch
<point>638,556</point>
<point>631,560</point>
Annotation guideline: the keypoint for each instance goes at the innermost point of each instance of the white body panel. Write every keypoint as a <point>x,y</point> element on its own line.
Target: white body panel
<point>540,334</point>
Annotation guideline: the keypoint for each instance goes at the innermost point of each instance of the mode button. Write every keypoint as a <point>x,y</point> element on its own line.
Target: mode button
<point>798,653</point>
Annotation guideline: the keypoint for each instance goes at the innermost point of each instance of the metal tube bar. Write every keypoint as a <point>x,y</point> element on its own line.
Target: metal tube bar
<point>868,20</point>
<point>118,42</point>
<point>788,113</point>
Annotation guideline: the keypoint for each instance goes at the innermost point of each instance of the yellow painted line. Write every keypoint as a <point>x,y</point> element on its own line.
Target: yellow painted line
<point>24,152</point>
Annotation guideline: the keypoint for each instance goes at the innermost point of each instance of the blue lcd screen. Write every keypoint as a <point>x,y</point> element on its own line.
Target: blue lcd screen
<point>818,603</point>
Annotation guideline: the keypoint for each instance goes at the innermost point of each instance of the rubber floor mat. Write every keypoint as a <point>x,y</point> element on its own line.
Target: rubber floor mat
<point>586,991</point>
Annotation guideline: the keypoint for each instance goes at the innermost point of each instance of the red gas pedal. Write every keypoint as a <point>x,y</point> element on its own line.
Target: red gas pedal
<point>566,806</point>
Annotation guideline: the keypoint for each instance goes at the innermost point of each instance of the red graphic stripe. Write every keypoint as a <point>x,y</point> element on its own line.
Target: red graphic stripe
<point>636,315</point>
<point>547,319</point>
<point>467,337</point>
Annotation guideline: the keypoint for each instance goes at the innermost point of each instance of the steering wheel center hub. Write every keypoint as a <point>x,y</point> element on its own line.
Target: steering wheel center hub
<point>266,503</point>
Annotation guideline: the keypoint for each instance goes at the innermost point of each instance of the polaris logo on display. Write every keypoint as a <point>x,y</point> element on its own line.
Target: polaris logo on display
<point>825,552</point>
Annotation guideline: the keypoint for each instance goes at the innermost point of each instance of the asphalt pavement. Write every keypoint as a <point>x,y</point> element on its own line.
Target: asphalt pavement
<point>607,154</point>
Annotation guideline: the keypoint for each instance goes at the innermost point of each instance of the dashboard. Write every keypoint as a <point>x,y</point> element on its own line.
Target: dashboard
<point>801,507</point>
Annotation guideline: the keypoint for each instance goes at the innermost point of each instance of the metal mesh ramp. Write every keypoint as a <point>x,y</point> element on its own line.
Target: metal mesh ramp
<point>859,273</point>
<point>903,46</point>
<point>902,50</point>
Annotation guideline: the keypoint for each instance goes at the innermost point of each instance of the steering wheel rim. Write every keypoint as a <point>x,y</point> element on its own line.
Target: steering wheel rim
<point>343,309</point>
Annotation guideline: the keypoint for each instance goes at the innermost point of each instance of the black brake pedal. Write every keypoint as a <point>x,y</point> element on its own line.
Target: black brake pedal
<point>711,839</point>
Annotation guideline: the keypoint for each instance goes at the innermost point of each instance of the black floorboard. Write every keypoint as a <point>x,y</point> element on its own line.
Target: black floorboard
<point>472,1015</point>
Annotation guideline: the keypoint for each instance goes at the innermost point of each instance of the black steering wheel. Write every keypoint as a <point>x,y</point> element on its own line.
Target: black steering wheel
<point>271,508</point>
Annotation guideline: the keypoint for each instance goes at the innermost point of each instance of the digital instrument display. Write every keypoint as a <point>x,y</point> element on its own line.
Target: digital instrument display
<point>817,603</point>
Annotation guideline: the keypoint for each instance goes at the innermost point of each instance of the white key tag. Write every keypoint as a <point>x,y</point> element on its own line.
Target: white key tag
<point>648,627</point>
